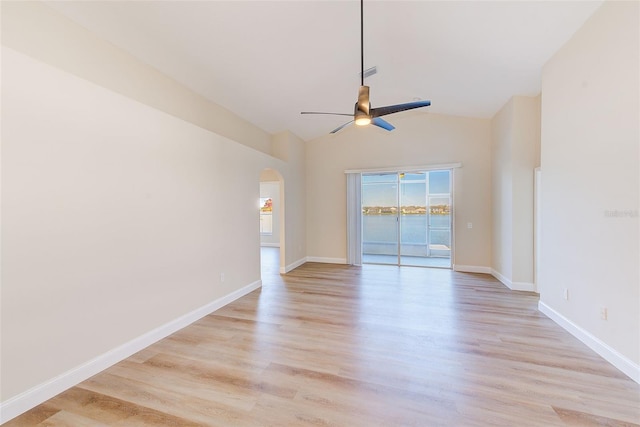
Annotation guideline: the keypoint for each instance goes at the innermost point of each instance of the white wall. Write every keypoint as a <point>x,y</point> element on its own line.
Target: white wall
<point>515,153</point>
<point>292,149</point>
<point>110,213</point>
<point>590,136</point>
<point>419,139</point>
<point>117,217</point>
<point>526,157</point>
<point>37,30</point>
<point>502,191</point>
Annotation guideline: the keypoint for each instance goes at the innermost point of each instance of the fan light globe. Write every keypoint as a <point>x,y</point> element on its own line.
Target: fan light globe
<point>363,121</point>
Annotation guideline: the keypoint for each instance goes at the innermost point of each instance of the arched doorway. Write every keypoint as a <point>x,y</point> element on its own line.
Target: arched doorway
<point>272,231</point>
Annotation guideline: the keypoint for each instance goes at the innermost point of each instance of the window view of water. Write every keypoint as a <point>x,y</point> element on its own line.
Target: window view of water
<point>406,218</point>
<point>382,228</point>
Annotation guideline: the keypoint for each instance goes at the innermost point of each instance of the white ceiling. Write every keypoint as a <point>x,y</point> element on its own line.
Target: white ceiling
<point>269,60</point>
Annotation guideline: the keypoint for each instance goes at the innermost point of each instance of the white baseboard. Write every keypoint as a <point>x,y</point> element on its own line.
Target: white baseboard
<point>628,367</point>
<point>270,245</point>
<point>327,260</point>
<point>471,269</point>
<point>21,403</point>
<point>501,278</point>
<point>514,286</point>
<point>524,286</point>
<point>293,265</point>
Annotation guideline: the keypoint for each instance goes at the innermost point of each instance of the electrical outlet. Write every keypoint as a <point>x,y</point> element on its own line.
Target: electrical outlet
<point>469,225</point>
<point>566,294</point>
<point>604,313</point>
<point>221,277</point>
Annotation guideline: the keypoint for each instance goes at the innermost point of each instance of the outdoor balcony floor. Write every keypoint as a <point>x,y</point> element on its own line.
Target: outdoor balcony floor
<point>416,261</point>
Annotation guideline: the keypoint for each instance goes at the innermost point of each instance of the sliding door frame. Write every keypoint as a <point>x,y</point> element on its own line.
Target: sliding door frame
<point>354,236</point>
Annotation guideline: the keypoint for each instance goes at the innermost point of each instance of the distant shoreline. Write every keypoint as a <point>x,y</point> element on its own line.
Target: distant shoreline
<point>403,213</point>
<point>406,210</point>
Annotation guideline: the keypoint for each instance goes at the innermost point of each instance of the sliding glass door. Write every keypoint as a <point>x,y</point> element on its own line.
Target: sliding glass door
<point>380,218</point>
<point>440,217</point>
<point>406,218</point>
<point>413,218</point>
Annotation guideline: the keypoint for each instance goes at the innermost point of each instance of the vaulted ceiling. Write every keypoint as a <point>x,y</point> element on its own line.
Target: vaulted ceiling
<point>269,60</point>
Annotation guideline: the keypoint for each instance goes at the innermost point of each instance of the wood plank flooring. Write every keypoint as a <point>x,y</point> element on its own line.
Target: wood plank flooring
<point>334,345</point>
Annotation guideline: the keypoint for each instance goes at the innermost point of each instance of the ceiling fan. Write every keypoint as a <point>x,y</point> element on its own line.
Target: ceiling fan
<point>363,114</point>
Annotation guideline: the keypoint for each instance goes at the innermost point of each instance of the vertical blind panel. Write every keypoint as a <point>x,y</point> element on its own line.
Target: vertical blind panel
<point>354,219</point>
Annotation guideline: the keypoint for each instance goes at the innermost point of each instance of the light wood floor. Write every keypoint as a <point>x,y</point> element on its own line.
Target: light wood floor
<point>346,346</point>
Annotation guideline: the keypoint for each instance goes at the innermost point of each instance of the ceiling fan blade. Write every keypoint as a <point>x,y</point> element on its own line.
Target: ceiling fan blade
<point>390,109</point>
<point>340,127</point>
<point>331,114</point>
<point>377,121</point>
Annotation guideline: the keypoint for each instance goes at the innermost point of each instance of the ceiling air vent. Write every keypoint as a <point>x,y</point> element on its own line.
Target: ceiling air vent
<point>370,71</point>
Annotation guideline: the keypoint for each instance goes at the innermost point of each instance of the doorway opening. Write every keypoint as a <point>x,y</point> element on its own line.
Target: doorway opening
<point>272,232</point>
<point>407,218</point>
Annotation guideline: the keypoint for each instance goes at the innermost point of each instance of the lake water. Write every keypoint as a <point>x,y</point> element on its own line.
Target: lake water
<point>382,228</point>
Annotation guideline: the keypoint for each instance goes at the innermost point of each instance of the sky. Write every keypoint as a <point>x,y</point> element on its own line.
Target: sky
<point>381,189</point>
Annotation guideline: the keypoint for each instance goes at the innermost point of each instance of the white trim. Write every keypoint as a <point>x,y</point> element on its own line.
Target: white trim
<point>537,223</point>
<point>523,286</point>
<point>628,367</point>
<point>327,260</point>
<point>407,168</point>
<point>293,265</point>
<point>270,245</point>
<point>29,399</point>
<point>501,278</point>
<point>471,269</point>
<point>514,286</point>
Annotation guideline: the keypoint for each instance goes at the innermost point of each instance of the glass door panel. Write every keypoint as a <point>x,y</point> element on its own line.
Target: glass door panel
<point>380,218</point>
<point>413,218</point>
<point>439,227</point>
<point>440,214</point>
<point>406,218</point>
